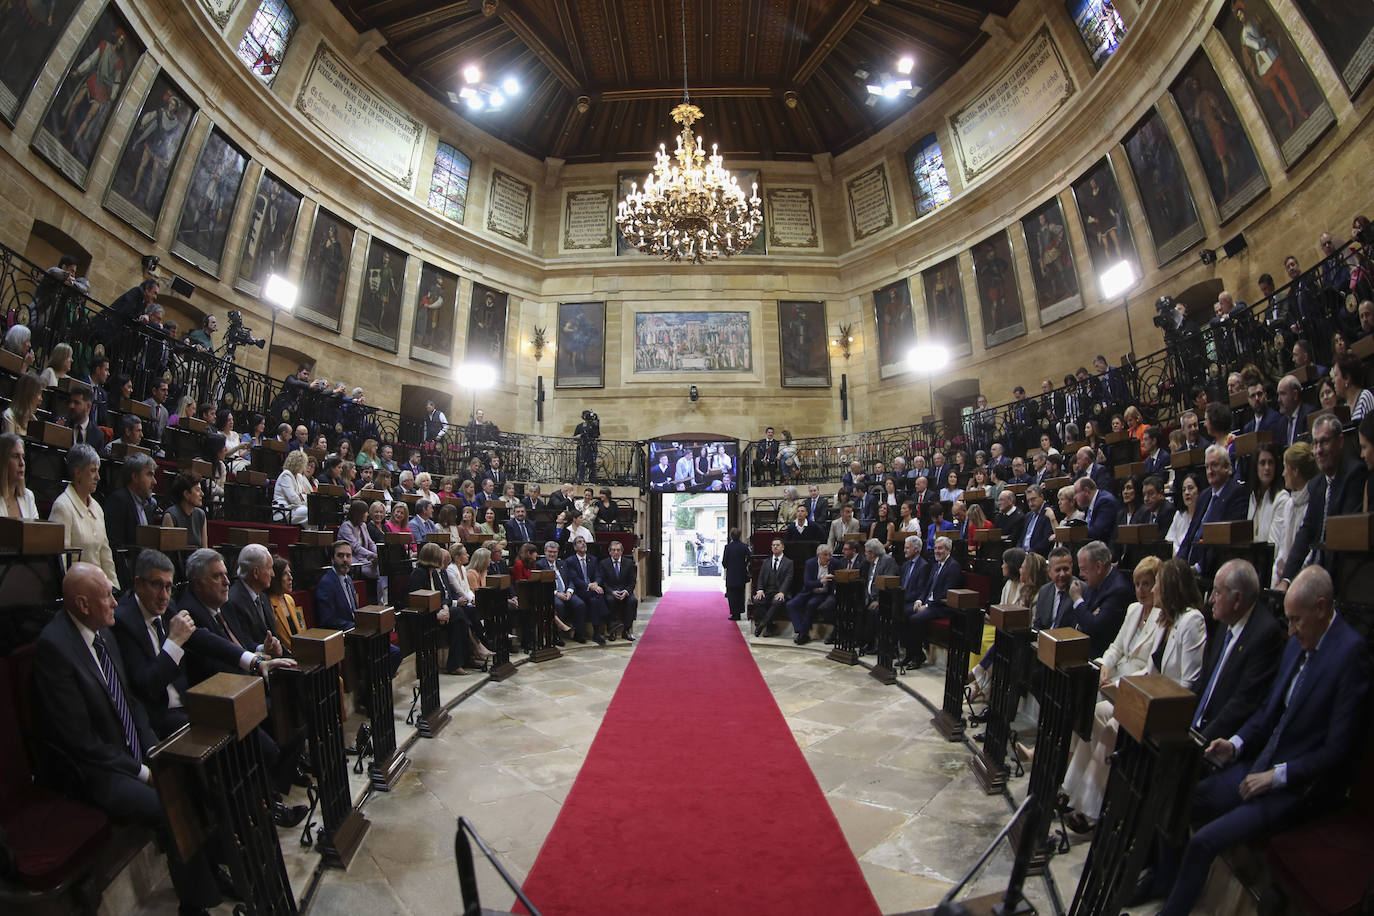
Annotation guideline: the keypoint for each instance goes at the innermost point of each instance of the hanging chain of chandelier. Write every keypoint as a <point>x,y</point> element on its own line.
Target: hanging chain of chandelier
<point>691,209</point>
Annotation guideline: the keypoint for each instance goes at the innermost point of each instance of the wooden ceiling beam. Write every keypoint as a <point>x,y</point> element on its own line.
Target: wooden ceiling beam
<point>620,58</point>
<point>568,27</point>
<point>421,51</point>
<point>839,25</point>
<point>519,21</point>
<point>675,92</point>
<point>403,19</point>
<point>749,46</point>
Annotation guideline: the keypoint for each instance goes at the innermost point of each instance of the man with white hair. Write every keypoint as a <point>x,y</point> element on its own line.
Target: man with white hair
<point>1085,465</point>
<point>1224,500</point>
<point>936,580</point>
<point>1100,599</point>
<point>1099,508</point>
<point>248,612</point>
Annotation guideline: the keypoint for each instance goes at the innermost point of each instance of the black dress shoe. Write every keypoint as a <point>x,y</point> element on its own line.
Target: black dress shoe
<point>558,640</point>
<point>758,630</point>
<point>289,816</point>
<point>830,640</point>
<point>579,638</point>
<point>629,637</point>
<point>599,639</point>
<point>734,617</point>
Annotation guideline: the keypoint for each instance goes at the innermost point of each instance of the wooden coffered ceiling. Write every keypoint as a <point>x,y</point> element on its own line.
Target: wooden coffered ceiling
<point>775,78</point>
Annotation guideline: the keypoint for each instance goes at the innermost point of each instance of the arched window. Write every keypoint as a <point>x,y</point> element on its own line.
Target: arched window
<point>264,44</point>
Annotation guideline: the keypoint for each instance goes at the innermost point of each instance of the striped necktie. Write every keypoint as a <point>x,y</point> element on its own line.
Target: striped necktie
<point>121,706</point>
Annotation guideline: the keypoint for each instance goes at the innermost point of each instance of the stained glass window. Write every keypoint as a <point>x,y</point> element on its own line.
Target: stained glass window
<point>1100,25</point>
<point>448,190</point>
<point>264,44</point>
<point>929,181</point>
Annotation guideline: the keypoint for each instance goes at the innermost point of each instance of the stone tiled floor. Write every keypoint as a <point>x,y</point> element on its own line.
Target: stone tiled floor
<point>906,799</point>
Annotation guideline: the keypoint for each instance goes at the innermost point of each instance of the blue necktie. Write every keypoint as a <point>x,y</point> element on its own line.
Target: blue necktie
<point>1030,530</point>
<point>1266,757</point>
<point>126,718</point>
<point>1212,683</point>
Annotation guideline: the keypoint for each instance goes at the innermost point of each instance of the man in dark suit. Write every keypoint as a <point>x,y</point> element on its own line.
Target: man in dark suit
<point>1100,600</point>
<point>1155,509</point>
<point>1242,659</point>
<point>1263,416</point>
<point>913,572</point>
<point>1024,416</point>
<point>128,308</point>
<point>817,507</point>
<point>518,530</point>
<point>87,710</point>
<point>1085,465</point>
<point>618,577</point>
<point>1009,518</point>
<point>569,608</point>
<point>336,596</point>
<point>734,560</point>
<point>876,563</point>
<point>661,475</point>
<point>1156,456</point>
<point>817,591</point>
<point>531,501</point>
<point>1293,413</point>
<point>773,586</point>
<point>132,504</point>
<point>1099,507</point>
<point>157,405</point>
<point>1036,531</point>
<point>1302,740</point>
<point>1193,438</point>
<point>1224,500</point>
<point>854,479</point>
<point>1018,471</point>
<point>248,612</point>
<point>81,420</point>
<point>585,576</point>
<point>940,577</point>
<point>766,456</point>
<point>1338,489</point>
<point>801,528</point>
<point>1054,601</point>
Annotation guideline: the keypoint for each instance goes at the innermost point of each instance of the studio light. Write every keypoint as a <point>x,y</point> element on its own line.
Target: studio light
<point>476,376</point>
<point>280,292</point>
<point>1117,280</point>
<point>471,73</point>
<point>928,358</point>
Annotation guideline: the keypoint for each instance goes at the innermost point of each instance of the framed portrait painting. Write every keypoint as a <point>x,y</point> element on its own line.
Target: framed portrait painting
<point>71,130</point>
<point>802,344</point>
<point>1051,261</point>
<point>580,345</point>
<point>379,301</point>
<point>945,309</point>
<point>1103,213</point>
<point>487,326</point>
<point>1233,172</point>
<point>326,270</point>
<point>1170,214</point>
<point>1345,30</point>
<point>208,208</point>
<point>999,297</point>
<point>28,34</point>
<point>151,152</point>
<point>431,336</point>
<point>896,328</point>
<point>271,231</point>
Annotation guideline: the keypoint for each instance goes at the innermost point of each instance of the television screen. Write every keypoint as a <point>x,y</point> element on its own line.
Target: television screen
<point>693,467</point>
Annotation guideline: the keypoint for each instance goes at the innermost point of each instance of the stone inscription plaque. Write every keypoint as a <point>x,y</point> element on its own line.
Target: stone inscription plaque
<point>587,220</point>
<point>1023,97</point>
<point>508,207</point>
<point>791,218</point>
<point>870,202</point>
<point>357,118</point>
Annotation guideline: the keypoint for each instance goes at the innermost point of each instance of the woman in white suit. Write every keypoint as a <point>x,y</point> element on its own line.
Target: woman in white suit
<point>289,493</point>
<point>1163,633</point>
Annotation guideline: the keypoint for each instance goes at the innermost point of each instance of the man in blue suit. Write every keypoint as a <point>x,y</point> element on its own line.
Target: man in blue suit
<point>1157,460</point>
<point>1100,599</point>
<point>914,572</point>
<point>939,578</point>
<point>1099,507</point>
<point>1264,417</point>
<point>336,597</point>
<point>1085,465</point>
<point>585,577</point>
<point>570,609</point>
<point>1155,509</point>
<point>1224,500</point>
<point>618,575</point>
<point>817,591</point>
<point>1038,530</point>
<point>1293,413</point>
<point>518,530</point>
<point>1305,736</point>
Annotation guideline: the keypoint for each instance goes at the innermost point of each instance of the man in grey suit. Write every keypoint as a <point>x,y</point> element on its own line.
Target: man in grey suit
<point>773,589</point>
<point>845,524</point>
<point>877,562</point>
<point>1053,602</point>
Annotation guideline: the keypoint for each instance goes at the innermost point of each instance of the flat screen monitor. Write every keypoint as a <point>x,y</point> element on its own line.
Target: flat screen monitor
<point>680,466</point>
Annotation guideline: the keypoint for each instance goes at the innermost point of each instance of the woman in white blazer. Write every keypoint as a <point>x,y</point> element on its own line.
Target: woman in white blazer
<point>79,511</point>
<point>1163,633</point>
<point>1299,467</point>
<point>288,493</point>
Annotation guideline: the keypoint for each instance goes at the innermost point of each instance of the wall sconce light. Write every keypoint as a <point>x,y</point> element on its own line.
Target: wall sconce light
<point>538,342</point>
<point>843,338</point>
<point>692,394</point>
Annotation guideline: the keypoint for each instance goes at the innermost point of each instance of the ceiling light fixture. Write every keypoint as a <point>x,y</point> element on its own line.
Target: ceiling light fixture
<point>692,210</point>
<point>478,95</point>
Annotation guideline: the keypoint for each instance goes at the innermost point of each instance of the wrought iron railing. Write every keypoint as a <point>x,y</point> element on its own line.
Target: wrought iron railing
<point>55,312</point>
<point>1159,384</point>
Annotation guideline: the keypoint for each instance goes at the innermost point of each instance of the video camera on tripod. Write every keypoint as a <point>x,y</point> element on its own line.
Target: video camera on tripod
<point>238,335</point>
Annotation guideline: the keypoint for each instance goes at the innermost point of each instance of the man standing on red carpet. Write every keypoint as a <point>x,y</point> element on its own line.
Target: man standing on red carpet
<point>618,576</point>
<point>734,560</point>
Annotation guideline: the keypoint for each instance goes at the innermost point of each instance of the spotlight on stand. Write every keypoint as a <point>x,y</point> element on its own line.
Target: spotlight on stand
<point>281,293</point>
<point>475,377</point>
<point>1118,280</point>
<point>928,359</point>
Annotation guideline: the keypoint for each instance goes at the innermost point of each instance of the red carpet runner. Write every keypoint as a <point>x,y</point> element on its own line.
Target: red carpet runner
<point>694,798</point>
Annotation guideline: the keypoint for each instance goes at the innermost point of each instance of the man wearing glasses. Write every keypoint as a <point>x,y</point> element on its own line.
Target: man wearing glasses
<point>1337,490</point>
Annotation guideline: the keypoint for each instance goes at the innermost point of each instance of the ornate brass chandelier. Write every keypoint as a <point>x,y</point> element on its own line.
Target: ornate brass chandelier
<point>692,209</point>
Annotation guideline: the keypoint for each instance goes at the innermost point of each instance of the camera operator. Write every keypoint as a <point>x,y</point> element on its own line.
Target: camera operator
<point>202,337</point>
<point>1181,339</point>
<point>587,433</point>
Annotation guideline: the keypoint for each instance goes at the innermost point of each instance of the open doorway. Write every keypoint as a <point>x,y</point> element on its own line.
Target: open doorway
<point>694,530</point>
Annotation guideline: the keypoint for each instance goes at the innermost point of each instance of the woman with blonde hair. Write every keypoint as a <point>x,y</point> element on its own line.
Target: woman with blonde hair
<point>288,493</point>
<point>477,568</point>
<point>28,391</point>
<point>1163,633</point>
<point>367,455</point>
<point>59,364</point>
<point>287,619</point>
<point>977,521</point>
<point>1299,467</point>
<point>16,500</point>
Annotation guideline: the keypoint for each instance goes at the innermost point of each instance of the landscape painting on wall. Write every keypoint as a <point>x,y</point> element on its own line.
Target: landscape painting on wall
<point>693,342</point>
<point>1051,260</point>
<point>945,307</point>
<point>1289,98</point>
<point>271,230</point>
<point>150,155</point>
<point>75,122</point>
<point>487,326</point>
<point>896,328</point>
<point>208,207</point>
<point>580,350</point>
<point>1163,188</point>
<point>28,33</point>
<point>802,344</point>
<point>326,270</point>
<point>1228,160</point>
<point>999,297</point>
<point>379,302</point>
<point>1345,29</point>
<point>431,337</point>
<point>1104,219</point>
